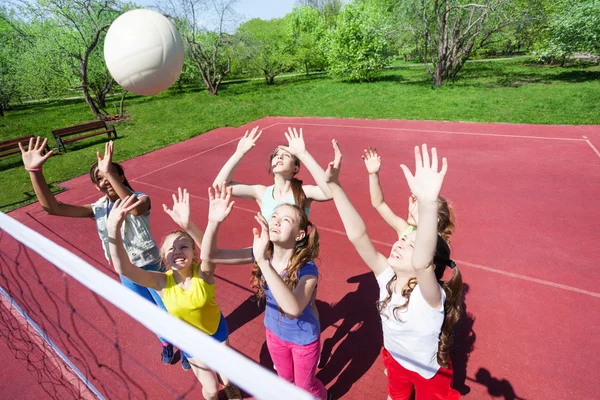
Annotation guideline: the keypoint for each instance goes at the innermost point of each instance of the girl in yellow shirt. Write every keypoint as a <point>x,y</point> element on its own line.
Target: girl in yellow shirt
<point>187,289</point>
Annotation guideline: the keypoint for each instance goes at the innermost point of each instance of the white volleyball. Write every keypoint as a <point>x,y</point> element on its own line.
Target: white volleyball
<point>143,52</point>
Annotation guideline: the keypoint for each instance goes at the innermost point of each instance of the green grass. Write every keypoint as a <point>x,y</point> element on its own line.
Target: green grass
<point>499,91</point>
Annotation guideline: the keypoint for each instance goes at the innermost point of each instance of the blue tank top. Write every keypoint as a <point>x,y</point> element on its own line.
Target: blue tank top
<point>269,204</point>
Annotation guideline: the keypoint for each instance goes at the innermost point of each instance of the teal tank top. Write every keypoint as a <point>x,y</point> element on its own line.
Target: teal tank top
<point>269,204</point>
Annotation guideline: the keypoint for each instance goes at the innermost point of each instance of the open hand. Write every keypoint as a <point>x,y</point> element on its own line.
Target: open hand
<point>296,145</point>
<point>220,203</point>
<point>34,157</point>
<point>119,211</point>
<point>372,160</point>
<point>248,141</point>
<point>261,238</point>
<point>180,213</point>
<point>426,183</point>
<point>332,174</point>
<point>105,164</point>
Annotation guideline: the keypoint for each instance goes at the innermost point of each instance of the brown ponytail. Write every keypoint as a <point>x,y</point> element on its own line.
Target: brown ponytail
<point>306,250</point>
<point>452,309</point>
<point>446,219</point>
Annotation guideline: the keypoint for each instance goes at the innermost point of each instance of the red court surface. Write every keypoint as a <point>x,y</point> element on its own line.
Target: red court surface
<point>526,200</point>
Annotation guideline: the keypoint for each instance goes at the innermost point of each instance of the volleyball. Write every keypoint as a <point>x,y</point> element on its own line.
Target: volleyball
<point>143,52</point>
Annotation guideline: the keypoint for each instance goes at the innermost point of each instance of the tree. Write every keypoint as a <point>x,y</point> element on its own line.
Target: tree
<point>359,43</point>
<point>11,38</point>
<point>573,26</point>
<point>82,26</point>
<point>308,28</point>
<point>209,49</point>
<point>266,46</point>
<point>447,32</point>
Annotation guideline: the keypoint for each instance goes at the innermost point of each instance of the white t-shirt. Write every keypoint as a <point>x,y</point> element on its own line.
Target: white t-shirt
<point>413,339</point>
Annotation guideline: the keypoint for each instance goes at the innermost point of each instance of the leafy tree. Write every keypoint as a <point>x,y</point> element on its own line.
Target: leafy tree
<point>447,32</point>
<point>210,50</point>
<point>78,32</point>
<point>359,43</point>
<point>573,26</point>
<point>308,28</point>
<point>266,46</point>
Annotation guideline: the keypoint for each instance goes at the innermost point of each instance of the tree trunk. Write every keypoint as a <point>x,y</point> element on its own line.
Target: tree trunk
<point>86,91</point>
<point>121,103</point>
<point>1,110</point>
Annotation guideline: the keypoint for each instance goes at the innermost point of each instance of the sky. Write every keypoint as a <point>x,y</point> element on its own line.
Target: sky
<point>248,9</point>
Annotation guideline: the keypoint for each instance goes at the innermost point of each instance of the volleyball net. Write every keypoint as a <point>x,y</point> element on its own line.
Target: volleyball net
<point>84,335</point>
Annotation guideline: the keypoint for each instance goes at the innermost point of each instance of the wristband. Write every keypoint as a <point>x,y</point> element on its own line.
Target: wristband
<point>33,169</point>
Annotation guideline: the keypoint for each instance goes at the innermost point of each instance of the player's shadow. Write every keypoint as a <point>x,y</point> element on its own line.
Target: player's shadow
<point>496,387</point>
<point>464,343</point>
<point>358,338</point>
<point>244,313</point>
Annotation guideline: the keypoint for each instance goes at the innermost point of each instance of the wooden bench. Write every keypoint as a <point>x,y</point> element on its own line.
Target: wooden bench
<point>95,128</point>
<point>11,146</point>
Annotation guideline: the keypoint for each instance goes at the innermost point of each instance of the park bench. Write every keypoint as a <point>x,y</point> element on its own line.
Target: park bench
<point>81,132</point>
<point>11,146</point>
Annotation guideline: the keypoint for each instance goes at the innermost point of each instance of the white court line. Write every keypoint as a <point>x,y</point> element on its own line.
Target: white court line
<point>591,145</point>
<point>459,262</point>
<point>195,155</point>
<point>449,132</point>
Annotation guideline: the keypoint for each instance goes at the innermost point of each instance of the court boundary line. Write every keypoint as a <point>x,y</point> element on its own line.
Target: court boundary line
<point>447,132</point>
<point>195,155</point>
<point>466,263</point>
<point>591,145</point>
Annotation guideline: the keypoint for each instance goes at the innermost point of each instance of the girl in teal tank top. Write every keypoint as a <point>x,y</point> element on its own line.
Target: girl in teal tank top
<point>284,165</point>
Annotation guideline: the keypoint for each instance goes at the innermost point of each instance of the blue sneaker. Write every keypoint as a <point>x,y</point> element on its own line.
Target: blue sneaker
<point>167,354</point>
<point>185,363</point>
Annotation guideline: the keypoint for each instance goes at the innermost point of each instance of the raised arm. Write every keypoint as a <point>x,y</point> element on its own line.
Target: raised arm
<point>373,164</point>
<point>246,143</point>
<point>106,168</point>
<point>355,227</point>
<point>426,185</point>
<point>220,207</point>
<point>119,257</point>
<point>34,159</point>
<point>297,147</point>
<point>292,303</point>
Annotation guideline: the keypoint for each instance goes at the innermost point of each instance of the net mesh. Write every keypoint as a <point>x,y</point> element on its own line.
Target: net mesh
<point>80,330</point>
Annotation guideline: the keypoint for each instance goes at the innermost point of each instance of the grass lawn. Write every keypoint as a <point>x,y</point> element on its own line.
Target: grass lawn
<point>498,91</point>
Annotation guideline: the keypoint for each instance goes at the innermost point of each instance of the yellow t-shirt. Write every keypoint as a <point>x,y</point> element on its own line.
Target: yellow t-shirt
<point>196,305</point>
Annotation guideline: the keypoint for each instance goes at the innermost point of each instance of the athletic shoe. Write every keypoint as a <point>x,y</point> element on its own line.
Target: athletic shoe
<point>185,363</point>
<point>232,392</point>
<point>167,354</point>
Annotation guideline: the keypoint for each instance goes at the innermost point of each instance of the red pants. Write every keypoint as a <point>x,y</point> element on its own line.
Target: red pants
<point>402,381</point>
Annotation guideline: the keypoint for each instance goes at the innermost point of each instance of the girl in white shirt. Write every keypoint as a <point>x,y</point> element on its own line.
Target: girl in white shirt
<point>418,310</point>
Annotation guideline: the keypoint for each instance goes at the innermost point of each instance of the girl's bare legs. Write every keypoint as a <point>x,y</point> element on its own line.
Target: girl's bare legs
<point>207,377</point>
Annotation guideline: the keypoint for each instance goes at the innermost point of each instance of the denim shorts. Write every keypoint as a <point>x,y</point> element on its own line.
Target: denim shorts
<point>221,334</point>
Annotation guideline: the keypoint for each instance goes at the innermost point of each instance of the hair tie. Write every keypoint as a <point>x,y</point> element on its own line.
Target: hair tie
<point>452,264</point>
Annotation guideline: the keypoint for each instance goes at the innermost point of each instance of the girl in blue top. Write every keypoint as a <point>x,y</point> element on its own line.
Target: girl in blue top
<point>284,165</point>
<point>285,275</point>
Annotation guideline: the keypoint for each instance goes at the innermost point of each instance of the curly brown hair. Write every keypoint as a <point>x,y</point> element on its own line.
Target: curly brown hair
<point>452,306</point>
<point>306,250</point>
